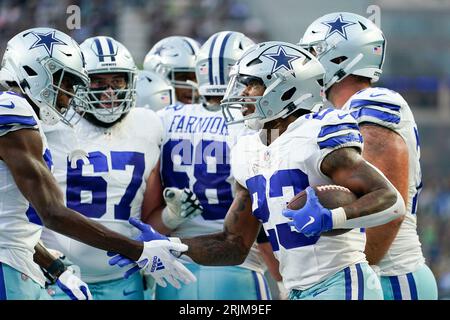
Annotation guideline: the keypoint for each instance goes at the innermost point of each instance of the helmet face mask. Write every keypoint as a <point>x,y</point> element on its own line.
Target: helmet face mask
<point>172,57</point>
<point>37,61</point>
<point>107,61</point>
<point>346,43</point>
<point>290,77</point>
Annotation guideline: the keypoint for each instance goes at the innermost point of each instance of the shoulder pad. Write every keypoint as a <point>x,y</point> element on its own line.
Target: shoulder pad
<point>15,113</point>
<point>377,105</point>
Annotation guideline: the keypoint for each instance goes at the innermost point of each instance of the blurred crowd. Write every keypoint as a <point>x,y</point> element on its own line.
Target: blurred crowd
<point>433,217</point>
<point>195,18</point>
<point>201,18</point>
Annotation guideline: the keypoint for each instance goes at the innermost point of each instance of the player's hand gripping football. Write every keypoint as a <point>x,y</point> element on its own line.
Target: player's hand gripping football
<point>157,258</point>
<point>182,204</point>
<point>312,219</point>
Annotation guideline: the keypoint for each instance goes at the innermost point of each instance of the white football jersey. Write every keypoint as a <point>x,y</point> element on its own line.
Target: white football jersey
<point>19,233</point>
<point>108,189</point>
<point>274,174</point>
<point>196,154</point>
<point>388,109</point>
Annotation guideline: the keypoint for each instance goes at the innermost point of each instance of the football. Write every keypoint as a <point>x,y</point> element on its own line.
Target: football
<point>330,196</point>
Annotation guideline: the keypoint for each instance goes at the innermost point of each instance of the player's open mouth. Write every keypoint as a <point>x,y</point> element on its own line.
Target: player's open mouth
<point>247,109</point>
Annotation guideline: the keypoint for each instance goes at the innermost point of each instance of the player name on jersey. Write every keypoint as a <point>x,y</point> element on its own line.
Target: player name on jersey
<point>195,124</point>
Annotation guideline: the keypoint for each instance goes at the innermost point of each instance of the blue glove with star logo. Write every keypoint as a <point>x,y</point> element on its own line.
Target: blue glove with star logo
<point>312,219</point>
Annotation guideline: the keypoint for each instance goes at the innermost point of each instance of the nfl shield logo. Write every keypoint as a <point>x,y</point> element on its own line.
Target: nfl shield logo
<point>377,50</point>
<point>203,70</point>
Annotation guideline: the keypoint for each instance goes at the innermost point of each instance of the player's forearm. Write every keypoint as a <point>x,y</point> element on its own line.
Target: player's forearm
<point>231,246</point>
<point>379,239</point>
<point>216,249</point>
<point>42,257</point>
<point>373,209</point>
<point>372,203</point>
<point>53,266</point>
<point>80,228</point>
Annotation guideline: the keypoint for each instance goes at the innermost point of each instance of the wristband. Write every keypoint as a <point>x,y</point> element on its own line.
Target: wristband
<point>55,269</point>
<point>177,254</point>
<point>339,217</point>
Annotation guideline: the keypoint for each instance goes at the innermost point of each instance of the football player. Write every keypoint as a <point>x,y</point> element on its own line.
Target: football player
<point>195,156</point>
<point>122,143</point>
<point>277,86</point>
<point>352,50</point>
<point>43,67</point>
<point>174,58</point>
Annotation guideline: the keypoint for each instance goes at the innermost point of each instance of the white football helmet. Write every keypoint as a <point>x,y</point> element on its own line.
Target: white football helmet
<point>291,76</point>
<point>173,54</point>
<point>153,91</point>
<point>215,59</point>
<point>346,43</point>
<point>104,55</point>
<point>37,60</point>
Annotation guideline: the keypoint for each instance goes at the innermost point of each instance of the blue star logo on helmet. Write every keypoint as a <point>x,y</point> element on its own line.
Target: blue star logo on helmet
<point>337,26</point>
<point>46,40</point>
<point>162,48</point>
<point>282,60</point>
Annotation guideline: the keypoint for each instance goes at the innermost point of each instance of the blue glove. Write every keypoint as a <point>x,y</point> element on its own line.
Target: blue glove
<point>147,234</point>
<point>312,219</point>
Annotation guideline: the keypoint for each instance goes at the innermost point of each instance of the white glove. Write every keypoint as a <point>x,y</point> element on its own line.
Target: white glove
<point>181,205</point>
<point>73,286</point>
<point>158,261</point>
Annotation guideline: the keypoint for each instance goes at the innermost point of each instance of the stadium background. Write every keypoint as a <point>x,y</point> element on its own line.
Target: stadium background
<point>417,64</point>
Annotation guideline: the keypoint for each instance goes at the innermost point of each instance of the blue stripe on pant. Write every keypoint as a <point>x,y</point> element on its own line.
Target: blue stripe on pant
<point>348,284</point>
<point>360,282</point>
<point>2,284</point>
<point>396,287</point>
<point>356,282</point>
<point>412,286</point>
<point>258,291</point>
<point>417,285</point>
<point>350,279</point>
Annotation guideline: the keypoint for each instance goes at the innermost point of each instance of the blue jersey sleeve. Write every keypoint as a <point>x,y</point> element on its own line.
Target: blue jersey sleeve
<point>323,133</point>
<point>337,135</point>
<point>377,106</point>
<point>338,129</point>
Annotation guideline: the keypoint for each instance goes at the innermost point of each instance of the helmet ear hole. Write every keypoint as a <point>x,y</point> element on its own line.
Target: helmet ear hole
<point>339,60</point>
<point>29,71</point>
<point>362,25</point>
<point>288,94</point>
<point>254,62</point>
